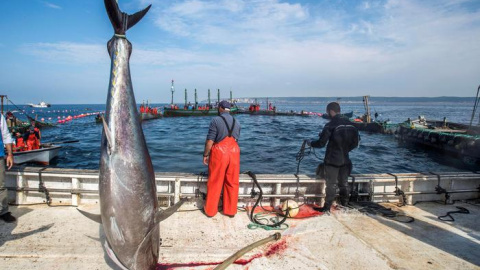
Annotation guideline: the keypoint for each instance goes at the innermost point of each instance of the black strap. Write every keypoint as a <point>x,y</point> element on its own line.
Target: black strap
<point>226,124</point>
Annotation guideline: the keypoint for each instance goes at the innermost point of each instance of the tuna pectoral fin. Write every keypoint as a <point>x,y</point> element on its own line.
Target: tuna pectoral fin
<point>112,256</point>
<point>164,214</point>
<point>107,133</point>
<point>160,216</point>
<point>94,217</point>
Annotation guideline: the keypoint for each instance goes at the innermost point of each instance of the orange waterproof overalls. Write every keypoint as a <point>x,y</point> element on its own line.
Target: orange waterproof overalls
<point>19,145</point>
<point>223,171</point>
<point>32,142</point>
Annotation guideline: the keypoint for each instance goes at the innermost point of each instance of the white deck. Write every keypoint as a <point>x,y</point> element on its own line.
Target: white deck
<point>339,241</point>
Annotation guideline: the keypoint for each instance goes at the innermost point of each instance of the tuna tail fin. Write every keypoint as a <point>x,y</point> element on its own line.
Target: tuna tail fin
<point>121,21</point>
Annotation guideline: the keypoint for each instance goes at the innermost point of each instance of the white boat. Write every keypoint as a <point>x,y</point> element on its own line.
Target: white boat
<point>42,104</point>
<point>41,156</point>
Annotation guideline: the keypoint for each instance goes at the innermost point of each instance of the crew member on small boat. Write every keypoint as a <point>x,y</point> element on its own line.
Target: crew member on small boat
<point>222,155</point>
<point>19,142</point>
<point>32,139</point>
<point>11,119</point>
<point>6,142</point>
<point>37,131</point>
<point>342,138</point>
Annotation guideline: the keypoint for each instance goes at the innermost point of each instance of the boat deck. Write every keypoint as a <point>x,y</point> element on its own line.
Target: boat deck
<point>61,238</point>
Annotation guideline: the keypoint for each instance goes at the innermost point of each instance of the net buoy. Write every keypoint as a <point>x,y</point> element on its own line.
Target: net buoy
<point>292,207</point>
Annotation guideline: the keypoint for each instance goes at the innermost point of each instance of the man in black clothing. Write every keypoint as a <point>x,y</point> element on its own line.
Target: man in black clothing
<point>342,138</point>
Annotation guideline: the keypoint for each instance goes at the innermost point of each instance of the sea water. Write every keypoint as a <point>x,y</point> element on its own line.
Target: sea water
<point>268,144</point>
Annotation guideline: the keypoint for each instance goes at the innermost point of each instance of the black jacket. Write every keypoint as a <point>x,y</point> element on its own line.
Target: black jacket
<point>342,137</point>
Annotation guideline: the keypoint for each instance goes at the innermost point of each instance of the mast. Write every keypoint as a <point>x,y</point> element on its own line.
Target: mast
<point>173,90</point>
<point>367,109</point>
<point>231,98</point>
<point>218,95</point>
<point>186,97</point>
<point>2,97</point>
<point>196,103</point>
<point>209,97</point>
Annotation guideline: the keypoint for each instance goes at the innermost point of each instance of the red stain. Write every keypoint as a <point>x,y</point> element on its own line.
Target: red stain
<point>275,248</point>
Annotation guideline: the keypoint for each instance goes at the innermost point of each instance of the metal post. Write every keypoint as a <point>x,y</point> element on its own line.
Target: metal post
<point>173,90</point>
<point>76,195</point>
<point>196,103</point>
<point>278,191</point>
<point>209,98</point>
<point>2,96</point>
<point>21,197</point>
<point>176,191</point>
<point>186,97</point>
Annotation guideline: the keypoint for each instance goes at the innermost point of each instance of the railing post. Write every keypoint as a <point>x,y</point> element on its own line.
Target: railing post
<point>176,196</point>
<point>278,191</point>
<point>76,195</point>
<point>21,194</point>
<point>409,197</point>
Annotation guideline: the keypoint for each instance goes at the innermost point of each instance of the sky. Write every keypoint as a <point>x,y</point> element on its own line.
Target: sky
<point>55,50</point>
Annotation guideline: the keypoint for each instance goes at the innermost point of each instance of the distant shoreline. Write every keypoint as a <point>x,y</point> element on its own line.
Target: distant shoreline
<point>357,99</point>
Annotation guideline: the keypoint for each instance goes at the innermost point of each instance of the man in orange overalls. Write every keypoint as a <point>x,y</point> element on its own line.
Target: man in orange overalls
<point>31,139</point>
<point>222,155</point>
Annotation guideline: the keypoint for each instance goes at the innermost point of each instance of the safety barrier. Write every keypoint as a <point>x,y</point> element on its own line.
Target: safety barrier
<point>30,185</point>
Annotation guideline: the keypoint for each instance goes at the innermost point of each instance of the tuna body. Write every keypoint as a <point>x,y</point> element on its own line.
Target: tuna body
<point>128,196</point>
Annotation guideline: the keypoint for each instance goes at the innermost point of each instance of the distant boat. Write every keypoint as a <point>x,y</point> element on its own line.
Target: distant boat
<point>277,113</point>
<point>168,111</point>
<point>149,116</point>
<point>41,156</point>
<point>348,115</point>
<point>42,104</point>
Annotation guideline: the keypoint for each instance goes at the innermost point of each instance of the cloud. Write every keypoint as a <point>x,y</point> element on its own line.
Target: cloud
<point>276,48</point>
<point>66,52</point>
<point>50,5</point>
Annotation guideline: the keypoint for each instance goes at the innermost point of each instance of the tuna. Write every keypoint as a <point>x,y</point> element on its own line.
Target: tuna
<point>128,195</point>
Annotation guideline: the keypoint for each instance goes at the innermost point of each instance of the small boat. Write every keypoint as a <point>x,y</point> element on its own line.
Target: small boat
<point>276,113</point>
<point>168,111</point>
<point>42,156</point>
<point>42,104</point>
<point>349,115</point>
<point>150,116</point>
<point>459,140</point>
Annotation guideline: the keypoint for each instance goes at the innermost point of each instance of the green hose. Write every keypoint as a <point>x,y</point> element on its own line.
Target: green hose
<point>246,249</point>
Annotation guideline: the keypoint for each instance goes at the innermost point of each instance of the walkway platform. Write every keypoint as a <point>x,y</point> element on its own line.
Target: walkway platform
<point>61,238</point>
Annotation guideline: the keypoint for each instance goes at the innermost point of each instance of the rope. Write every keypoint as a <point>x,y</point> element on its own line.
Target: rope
<point>477,100</point>
<point>42,188</point>
<point>276,223</point>
<point>375,209</point>
<point>24,111</point>
<point>461,210</point>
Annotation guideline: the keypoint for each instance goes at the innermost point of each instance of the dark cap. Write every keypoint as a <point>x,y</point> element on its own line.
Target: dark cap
<point>224,104</point>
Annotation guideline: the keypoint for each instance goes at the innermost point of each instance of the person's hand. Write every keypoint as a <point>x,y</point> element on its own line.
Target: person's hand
<point>308,143</point>
<point>205,160</point>
<point>9,161</point>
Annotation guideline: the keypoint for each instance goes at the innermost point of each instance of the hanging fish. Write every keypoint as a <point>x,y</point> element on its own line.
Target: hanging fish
<point>128,195</point>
